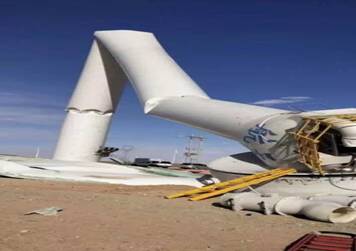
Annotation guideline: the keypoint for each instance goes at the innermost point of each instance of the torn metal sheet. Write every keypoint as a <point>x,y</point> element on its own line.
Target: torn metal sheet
<point>50,211</point>
<point>37,168</point>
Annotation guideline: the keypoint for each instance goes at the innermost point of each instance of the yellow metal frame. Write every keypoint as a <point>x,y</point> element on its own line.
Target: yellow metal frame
<point>231,185</point>
<point>308,137</point>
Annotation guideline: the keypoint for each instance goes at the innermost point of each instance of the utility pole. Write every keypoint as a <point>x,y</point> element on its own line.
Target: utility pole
<point>126,149</point>
<point>174,158</point>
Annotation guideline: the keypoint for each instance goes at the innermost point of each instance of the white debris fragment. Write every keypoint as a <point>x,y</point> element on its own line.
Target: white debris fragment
<point>335,209</point>
<point>50,211</point>
<point>47,169</point>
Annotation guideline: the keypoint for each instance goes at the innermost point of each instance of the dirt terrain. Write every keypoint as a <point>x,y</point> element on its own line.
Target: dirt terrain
<point>112,217</point>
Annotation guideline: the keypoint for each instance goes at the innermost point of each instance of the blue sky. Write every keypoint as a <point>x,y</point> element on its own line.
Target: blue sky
<point>243,51</point>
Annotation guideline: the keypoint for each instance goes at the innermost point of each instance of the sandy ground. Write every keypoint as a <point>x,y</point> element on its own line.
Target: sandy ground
<point>112,217</point>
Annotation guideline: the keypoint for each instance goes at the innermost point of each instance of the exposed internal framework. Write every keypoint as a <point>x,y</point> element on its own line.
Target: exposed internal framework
<point>326,134</point>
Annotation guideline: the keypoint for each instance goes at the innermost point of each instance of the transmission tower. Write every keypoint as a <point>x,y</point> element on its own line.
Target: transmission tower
<point>193,149</point>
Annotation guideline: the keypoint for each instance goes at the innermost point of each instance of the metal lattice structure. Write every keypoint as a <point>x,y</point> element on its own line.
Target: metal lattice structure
<point>193,150</point>
<point>308,137</point>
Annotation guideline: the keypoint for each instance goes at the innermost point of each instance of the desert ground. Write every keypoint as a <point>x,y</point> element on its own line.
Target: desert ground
<point>118,217</point>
